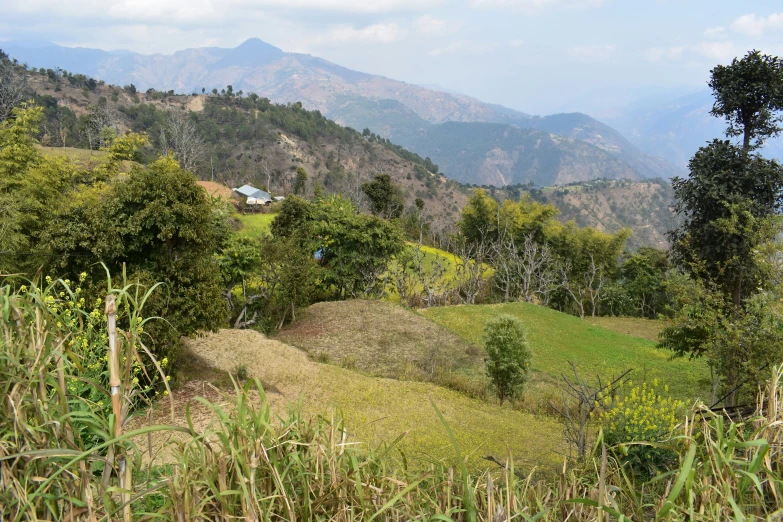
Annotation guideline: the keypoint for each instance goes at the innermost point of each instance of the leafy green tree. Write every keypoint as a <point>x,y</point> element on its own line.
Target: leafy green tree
<point>749,94</point>
<point>300,184</point>
<point>508,356</point>
<point>730,208</point>
<point>644,276</point>
<point>385,197</point>
<point>479,218</point>
<point>726,205</point>
<point>296,214</point>
<point>356,248</point>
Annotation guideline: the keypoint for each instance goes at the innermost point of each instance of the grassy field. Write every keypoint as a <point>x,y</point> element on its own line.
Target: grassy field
<point>255,225</point>
<point>378,410</point>
<point>557,338</point>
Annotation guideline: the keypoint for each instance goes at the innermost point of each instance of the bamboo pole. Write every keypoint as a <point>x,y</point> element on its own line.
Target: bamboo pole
<point>124,468</point>
<point>114,364</point>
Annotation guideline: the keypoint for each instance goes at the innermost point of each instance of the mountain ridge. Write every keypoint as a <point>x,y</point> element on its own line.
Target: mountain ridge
<point>256,66</point>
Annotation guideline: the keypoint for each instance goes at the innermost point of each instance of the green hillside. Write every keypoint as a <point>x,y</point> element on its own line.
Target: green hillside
<point>556,338</point>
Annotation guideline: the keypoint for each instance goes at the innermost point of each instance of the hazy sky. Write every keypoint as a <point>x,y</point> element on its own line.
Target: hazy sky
<point>538,56</point>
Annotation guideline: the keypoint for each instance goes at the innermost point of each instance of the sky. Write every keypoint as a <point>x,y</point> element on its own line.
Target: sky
<point>537,56</point>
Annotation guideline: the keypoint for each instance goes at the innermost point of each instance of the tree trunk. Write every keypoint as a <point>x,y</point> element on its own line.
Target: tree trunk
<point>736,294</point>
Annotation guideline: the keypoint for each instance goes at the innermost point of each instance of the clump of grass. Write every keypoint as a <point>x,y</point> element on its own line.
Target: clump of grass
<point>322,357</point>
<point>240,372</point>
<point>348,362</point>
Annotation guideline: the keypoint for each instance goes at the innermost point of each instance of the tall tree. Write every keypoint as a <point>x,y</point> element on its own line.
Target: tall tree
<point>749,94</point>
<point>726,204</point>
<point>300,185</point>
<point>730,208</point>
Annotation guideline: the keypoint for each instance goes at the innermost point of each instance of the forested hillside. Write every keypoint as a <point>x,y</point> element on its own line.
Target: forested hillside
<point>646,207</point>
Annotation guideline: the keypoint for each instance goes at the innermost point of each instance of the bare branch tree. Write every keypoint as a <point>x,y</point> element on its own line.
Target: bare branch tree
<point>402,275</point>
<point>183,139</point>
<point>536,267</point>
<point>505,258</point>
<point>435,288</point>
<point>267,171</point>
<point>579,400</point>
<point>594,284</point>
<point>471,268</point>
<point>103,121</point>
<point>13,87</point>
<point>574,289</point>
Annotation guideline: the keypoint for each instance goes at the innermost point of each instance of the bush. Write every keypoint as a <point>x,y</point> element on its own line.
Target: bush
<point>509,356</point>
<point>643,415</point>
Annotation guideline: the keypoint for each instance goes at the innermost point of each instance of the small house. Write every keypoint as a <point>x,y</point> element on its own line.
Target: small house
<point>254,196</point>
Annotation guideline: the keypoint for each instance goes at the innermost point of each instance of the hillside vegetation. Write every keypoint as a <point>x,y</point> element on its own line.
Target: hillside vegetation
<point>643,206</point>
<point>552,149</point>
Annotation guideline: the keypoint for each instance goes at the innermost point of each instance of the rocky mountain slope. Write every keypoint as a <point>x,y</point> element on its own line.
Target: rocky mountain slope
<point>283,77</point>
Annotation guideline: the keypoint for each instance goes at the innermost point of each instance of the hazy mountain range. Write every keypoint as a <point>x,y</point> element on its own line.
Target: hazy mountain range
<point>673,126</point>
<point>472,141</point>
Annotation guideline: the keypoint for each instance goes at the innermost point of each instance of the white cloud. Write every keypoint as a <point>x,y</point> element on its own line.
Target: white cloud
<point>516,43</point>
<point>593,53</point>
<point>751,25</point>
<point>715,33</point>
<point>538,5</point>
<point>657,54</point>
<point>179,11</point>
<point>433,26</point>
<point>710,50</point>
<point>372,34</point>
<point>466,48</point>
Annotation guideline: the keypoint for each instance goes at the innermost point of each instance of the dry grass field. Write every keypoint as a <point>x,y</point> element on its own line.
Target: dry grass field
<point>381,339</point>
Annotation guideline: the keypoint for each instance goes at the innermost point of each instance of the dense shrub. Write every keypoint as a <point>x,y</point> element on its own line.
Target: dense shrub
<point>508,356</point>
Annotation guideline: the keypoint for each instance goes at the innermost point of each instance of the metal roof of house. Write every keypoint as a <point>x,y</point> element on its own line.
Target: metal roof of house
<point>250,191</point>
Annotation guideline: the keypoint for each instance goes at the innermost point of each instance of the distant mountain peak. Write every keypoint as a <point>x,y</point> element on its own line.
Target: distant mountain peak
<point>257,45</point>
<point>253,52</point>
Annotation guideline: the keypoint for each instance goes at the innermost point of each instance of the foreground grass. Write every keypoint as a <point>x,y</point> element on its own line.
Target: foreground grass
<point>255,226</point>
<point>379,410</point>
<point>557,338</point>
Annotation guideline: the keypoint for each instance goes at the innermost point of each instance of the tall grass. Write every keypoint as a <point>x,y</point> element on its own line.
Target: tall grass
<point>61,457</point>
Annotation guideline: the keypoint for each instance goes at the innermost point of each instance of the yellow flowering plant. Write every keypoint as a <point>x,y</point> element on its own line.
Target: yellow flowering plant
<point>84,324</point>
<point>643,414</point>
